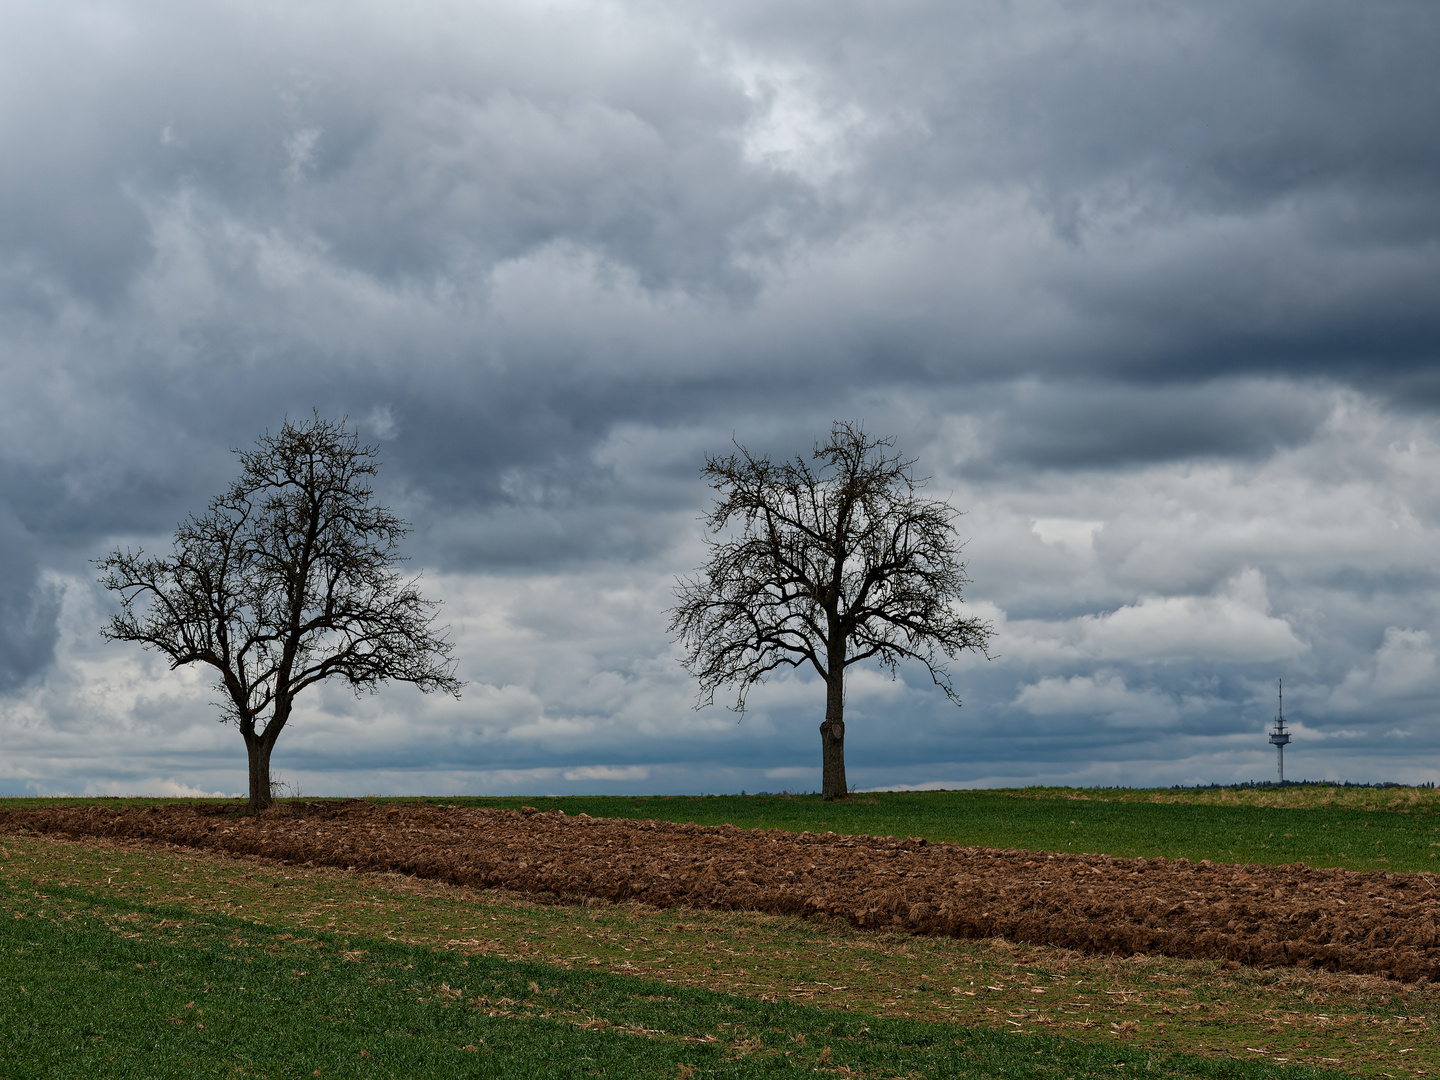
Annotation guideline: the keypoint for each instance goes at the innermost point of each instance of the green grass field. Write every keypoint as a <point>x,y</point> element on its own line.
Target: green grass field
<point>128,962</point>
<point>98,985</point>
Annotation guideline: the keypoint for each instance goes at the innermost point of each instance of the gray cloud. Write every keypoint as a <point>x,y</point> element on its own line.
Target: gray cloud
<point>28,607</point>
<point>1149,291</point>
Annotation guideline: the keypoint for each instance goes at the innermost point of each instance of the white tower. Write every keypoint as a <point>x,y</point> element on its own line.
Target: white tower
<point>1278,735</point>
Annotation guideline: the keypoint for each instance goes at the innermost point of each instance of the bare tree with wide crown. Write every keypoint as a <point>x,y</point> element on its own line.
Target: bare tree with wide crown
<point>834,563</point>
<point>288,579</point>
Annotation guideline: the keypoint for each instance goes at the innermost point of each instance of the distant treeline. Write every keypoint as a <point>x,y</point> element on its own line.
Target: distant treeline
<point>1294,783</point>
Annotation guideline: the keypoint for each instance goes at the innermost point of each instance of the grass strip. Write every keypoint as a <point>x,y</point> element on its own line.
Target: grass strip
<point>101,985</point>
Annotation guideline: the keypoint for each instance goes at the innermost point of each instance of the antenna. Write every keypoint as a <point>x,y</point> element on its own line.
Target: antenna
<point>1278,735</point>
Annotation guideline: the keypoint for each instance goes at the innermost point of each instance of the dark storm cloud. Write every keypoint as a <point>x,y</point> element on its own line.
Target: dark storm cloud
<point>406,156</point>
<point>1150,289</point>
<point>1070,425</point>
<point>1240,187</point>
<point>1158,112</point>
<point>28,607</point>
<point>1226,190</point>
<point>1137,134</point>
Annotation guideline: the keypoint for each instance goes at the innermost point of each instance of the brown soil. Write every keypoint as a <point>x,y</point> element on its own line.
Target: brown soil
<point>1376,923</point>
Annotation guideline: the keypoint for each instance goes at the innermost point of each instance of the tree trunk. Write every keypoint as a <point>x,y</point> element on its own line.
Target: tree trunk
<point>257,748</point>
<point>832,741</point>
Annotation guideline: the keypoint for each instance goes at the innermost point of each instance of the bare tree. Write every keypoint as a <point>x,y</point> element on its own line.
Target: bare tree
<point>286,580</point>
<point>833,565</point>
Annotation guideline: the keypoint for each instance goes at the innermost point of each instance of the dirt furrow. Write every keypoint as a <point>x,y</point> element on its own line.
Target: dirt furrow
<point>1376,923</point>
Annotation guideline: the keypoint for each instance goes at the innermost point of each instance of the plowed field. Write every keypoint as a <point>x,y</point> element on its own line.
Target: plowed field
<point>1375,923</point>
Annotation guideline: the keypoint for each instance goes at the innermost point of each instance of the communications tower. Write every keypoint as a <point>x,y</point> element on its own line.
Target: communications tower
<point>1278,735</point>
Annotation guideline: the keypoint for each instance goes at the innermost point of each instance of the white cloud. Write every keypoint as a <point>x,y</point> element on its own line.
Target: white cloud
<point>380,422</point>
<point>1078,536</point>
<point>166,788</point>
<point>794,128</point>
<point>632,773</point>
<point>1405,668</point>
<point>300,150</point>
<point>792,773</point>
<point>1107,696</point>
<point>1235,625</point>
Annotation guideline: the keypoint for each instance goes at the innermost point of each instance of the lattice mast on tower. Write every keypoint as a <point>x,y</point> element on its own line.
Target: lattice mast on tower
<point>1278,735</point>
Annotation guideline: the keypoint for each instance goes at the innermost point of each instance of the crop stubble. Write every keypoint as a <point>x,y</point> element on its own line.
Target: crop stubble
<point>1370,923</point>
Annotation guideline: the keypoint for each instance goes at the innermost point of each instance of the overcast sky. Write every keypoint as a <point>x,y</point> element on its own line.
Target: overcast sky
<point>1151,291</point>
